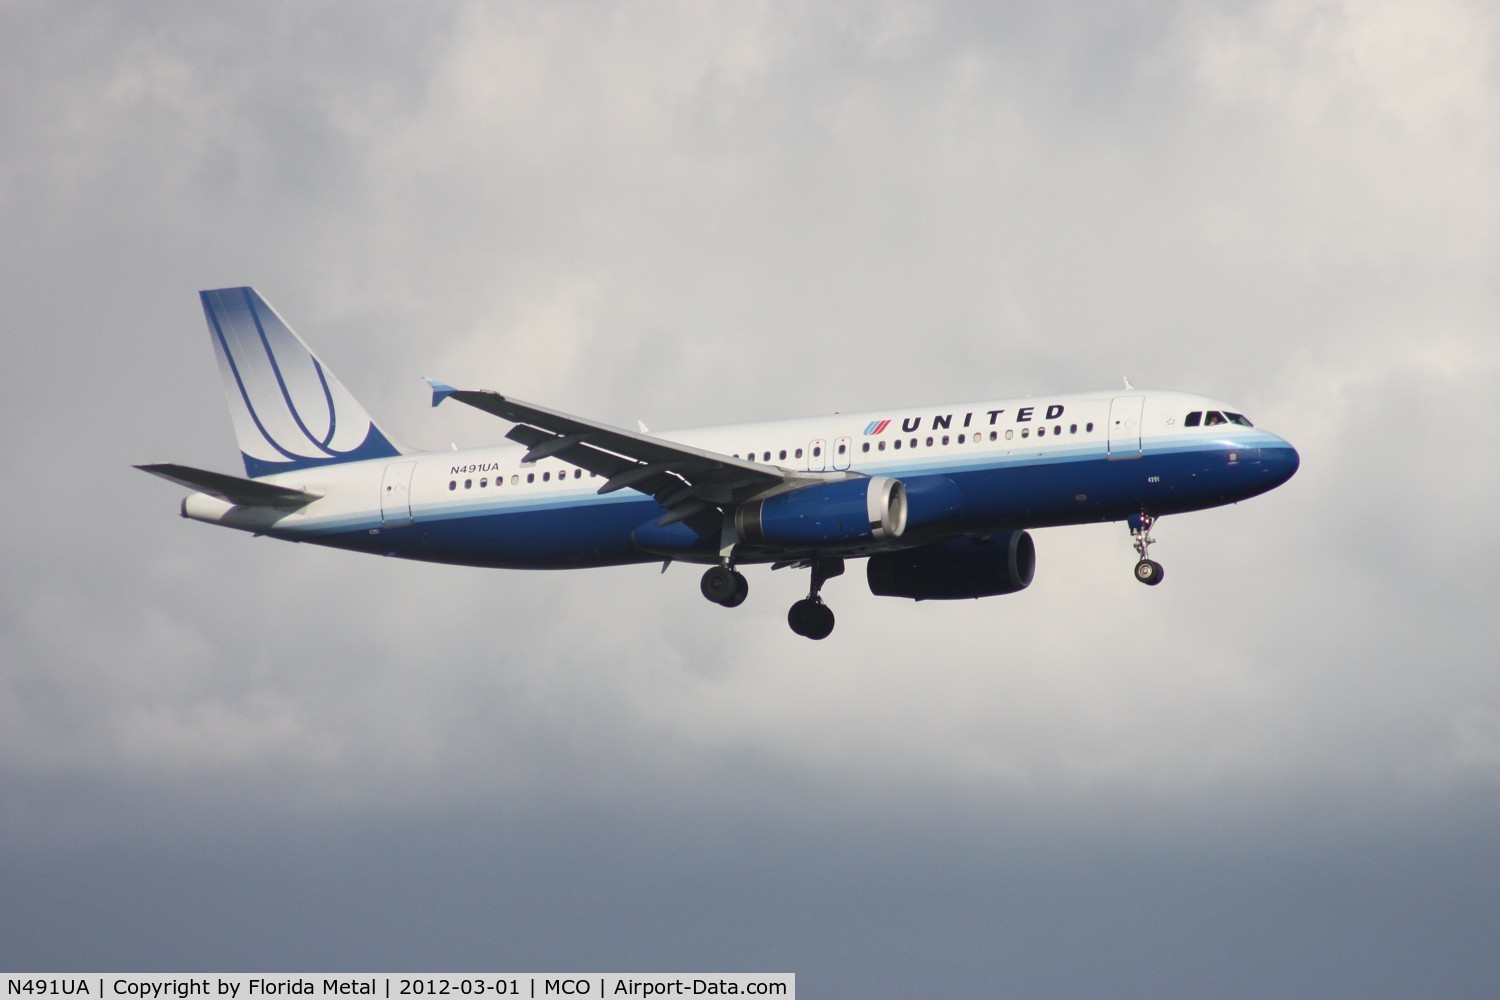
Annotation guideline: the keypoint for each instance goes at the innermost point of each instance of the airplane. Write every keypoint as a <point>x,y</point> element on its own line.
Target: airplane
<point>939,500</point>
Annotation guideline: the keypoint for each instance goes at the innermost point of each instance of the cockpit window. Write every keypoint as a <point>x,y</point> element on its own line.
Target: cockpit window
<point>1212,418</point>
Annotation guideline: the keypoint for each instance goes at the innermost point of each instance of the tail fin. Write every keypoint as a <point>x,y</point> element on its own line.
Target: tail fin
<point>289,410</point>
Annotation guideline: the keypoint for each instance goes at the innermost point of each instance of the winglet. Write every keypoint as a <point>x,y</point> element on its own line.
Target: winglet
<point>440,390</point>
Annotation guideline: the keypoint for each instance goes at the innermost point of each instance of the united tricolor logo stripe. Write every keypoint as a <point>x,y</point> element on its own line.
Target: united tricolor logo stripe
<point>876,426</point>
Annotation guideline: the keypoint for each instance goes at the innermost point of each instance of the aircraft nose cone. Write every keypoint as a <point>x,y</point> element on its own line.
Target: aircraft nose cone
<point>1281,461</point>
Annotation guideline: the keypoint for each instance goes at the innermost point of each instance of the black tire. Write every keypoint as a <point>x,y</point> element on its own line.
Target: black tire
<point>812,619</point>
<point>1149,572</point>
<point>718,584</point>
<point>800,616</point>
<point>741,591</point>
<point>822,623</point>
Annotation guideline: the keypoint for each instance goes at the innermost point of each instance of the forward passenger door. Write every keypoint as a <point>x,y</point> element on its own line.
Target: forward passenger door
<point>1125,426</point>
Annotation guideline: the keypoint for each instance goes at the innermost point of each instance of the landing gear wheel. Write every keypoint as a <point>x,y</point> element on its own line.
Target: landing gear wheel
<point>725,586</point>
<point>1149,572</point>
<point>811,618</point>
<point>741,591</point>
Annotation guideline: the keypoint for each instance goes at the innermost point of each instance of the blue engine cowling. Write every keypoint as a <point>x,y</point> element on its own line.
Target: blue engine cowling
<point>970,566</point>
<point>833,513</point>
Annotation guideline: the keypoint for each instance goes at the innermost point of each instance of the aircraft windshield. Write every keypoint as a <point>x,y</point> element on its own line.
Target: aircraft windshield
<point>1213,418</point>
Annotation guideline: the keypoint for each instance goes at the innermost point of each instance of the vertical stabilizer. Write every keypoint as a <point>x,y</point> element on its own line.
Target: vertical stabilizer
<point>289,410</point>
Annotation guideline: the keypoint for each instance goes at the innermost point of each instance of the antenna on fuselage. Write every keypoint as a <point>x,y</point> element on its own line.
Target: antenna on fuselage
<point>1127,382</point>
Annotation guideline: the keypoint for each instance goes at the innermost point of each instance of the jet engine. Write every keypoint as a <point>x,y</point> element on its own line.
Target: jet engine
<point>964,567</point>
<point>830,513</point>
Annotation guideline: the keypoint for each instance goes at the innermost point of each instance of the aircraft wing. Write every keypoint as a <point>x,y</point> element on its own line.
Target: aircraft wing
<point>685,480</point>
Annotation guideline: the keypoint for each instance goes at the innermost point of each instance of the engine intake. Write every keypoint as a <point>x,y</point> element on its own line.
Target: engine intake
<point>965,567</point>
<point>831,513</point>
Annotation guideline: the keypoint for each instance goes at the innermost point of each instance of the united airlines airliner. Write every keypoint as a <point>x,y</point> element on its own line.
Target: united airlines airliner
<point>936,499</point>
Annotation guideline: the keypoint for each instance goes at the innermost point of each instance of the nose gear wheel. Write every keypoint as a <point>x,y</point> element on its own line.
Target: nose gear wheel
<point>1148,570</point>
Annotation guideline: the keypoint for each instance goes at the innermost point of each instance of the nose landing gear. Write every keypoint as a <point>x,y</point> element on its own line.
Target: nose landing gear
<point>1148,570</point>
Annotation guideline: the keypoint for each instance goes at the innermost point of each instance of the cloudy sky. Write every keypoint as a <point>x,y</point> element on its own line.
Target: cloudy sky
<point>1278,773</point>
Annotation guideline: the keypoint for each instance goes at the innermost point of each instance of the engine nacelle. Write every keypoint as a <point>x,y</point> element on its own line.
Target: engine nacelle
<point>831,513</point>
<point>970,566</point>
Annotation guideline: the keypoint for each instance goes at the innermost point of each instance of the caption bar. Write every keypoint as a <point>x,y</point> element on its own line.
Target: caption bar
<point>251,986</point>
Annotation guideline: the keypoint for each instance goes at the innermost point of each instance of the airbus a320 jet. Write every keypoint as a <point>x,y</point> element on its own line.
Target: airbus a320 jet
<point>936,499</point>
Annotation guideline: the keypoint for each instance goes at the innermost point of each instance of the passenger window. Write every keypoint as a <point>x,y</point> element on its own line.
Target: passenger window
<point>897,445</point>
<point>1072,428</point>
<point>484,482</point>
<point>1026,432</point>
<point>929,442</point>
<point>843,447</point>
<point>945,439</point>
<point>782,455</point>
<point>531,477</point>
<point>1089,427</point>
<point>880,446</point>
<point>865,447</point>
<point>468,484</point>
<point>453,484</point>
<point>960,439</point>
<point>515,480</point>
<point>797,453</point>
<point>1041,432</point>
<point>1009,435</point>
<point>766,457</point>
<point>1193,419</point>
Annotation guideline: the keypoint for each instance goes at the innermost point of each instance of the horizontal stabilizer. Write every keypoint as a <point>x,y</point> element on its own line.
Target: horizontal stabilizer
<point>233,489</point>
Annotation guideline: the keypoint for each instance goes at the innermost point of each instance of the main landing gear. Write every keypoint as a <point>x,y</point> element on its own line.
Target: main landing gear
<point>1148,570</point>
<point>726,586</point>
<point>809,617</point>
